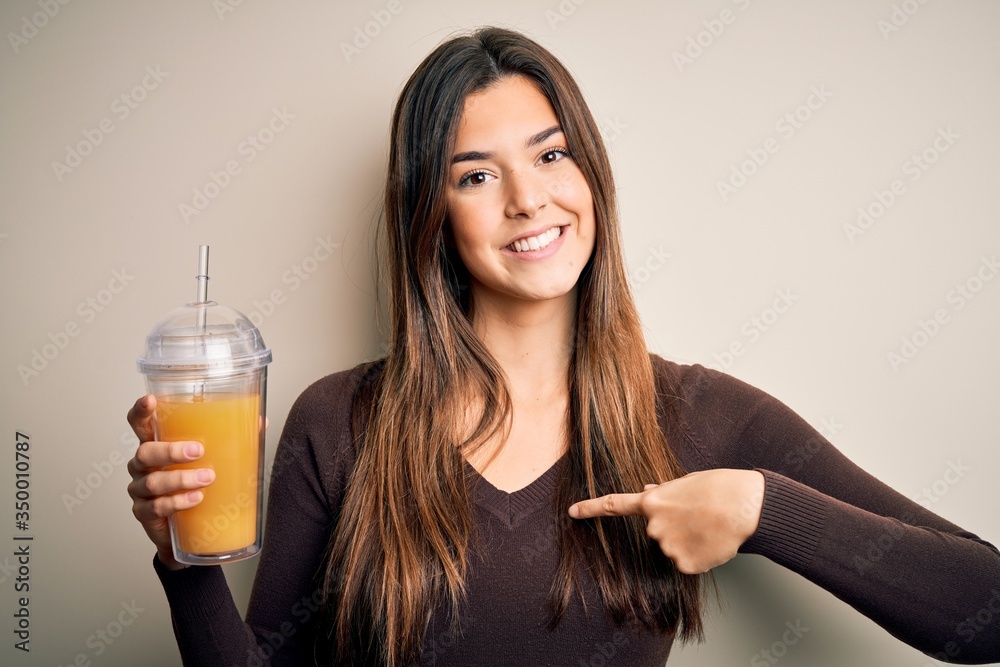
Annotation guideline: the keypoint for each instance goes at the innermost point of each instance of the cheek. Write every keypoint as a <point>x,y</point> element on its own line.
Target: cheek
<point>460,221</point>
<point>469,233</point>
<point>582,202</point>
<point>576,192</point>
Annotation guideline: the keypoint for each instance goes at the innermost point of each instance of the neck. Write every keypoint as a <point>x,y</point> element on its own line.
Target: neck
<point>531,340</point>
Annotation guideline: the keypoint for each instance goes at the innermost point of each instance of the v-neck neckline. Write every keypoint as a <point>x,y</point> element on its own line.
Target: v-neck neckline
<point>511,507</point>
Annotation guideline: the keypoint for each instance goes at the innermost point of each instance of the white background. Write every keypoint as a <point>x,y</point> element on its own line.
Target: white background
<point>675,130</point>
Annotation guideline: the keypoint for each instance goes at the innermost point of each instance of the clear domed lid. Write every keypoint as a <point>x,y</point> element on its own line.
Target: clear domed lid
<point>203,338</point>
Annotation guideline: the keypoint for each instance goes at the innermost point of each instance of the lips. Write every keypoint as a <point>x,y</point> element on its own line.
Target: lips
<point>535,240</point>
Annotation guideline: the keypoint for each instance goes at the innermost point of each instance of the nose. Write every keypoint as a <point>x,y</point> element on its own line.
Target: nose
<point>526,194</point>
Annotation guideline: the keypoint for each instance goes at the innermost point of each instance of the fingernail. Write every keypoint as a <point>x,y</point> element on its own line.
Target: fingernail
<point>194,496</point>
<point>574,511</point>
<point>193,450</point>
<point>205,475</point>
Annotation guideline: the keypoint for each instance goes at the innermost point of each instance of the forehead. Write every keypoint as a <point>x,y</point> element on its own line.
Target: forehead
<point>511,109</point>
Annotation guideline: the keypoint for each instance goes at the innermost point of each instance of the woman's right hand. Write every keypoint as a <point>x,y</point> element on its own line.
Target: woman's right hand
<point>158,493</point>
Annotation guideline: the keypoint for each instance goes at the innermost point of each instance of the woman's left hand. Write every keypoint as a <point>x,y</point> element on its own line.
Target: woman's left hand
<point>699,520</point>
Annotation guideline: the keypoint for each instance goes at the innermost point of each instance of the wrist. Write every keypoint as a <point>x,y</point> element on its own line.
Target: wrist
<point>168,561</point>
<point>752,502</point>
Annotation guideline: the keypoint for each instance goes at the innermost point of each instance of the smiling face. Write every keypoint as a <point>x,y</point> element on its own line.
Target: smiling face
<point>520,212</point>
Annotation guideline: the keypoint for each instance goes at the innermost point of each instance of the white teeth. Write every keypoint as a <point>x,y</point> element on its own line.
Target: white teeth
<point>536,242</point>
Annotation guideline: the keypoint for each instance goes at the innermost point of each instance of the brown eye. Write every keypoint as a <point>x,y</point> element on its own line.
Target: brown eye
<point>553,155</point>
<point>474,178</point>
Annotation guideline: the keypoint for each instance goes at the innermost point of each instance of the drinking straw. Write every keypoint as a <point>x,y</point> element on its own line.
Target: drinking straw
<point>202,308</point>
<point>202,284</point>
<point>202,273</point>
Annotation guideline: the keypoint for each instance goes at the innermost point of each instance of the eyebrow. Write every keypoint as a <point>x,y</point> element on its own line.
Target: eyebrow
<point>533,140</point>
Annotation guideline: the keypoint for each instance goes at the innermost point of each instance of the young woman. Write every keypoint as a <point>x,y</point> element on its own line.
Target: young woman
<point>519,482</point>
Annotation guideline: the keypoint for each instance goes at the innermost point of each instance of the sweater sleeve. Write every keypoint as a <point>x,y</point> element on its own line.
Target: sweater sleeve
<point>284,604</point>
<point>926,581</point>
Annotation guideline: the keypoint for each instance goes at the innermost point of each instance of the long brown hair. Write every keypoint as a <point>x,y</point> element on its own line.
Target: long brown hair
<point>400,547</point>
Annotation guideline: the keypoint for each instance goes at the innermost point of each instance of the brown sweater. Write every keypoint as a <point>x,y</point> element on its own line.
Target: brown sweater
<point>923,579</point>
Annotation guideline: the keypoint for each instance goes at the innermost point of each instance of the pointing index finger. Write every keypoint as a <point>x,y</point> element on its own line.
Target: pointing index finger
<point>614,504</point>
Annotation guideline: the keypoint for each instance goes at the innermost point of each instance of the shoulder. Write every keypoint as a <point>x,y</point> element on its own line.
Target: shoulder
<point>331,398</point>
<point>321,430</point>
<point>695,388</point>
<point>705,412</point>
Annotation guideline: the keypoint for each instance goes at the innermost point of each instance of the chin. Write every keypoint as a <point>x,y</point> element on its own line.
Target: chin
<point>560,292</point>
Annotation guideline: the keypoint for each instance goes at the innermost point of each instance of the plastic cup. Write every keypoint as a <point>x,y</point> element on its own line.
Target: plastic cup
<point>207,366</point>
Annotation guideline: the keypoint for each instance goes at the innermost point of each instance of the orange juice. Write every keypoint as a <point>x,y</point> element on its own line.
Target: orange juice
<point>228,426</point>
